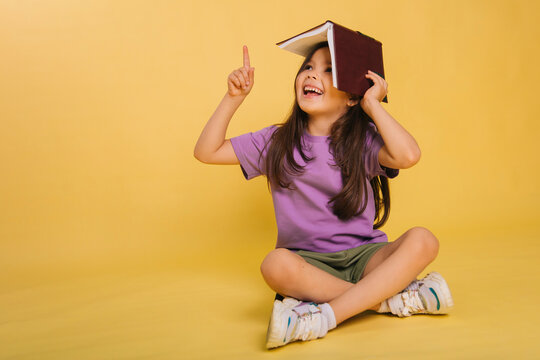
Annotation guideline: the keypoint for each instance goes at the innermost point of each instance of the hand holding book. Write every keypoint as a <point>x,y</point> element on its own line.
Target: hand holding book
<point>240,81</point>
<point>378,90</point>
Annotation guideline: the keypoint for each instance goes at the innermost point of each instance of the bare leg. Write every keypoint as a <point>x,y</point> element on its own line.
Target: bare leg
<point>290,275</point>
<point>393,275</point>
<point>388,271</point>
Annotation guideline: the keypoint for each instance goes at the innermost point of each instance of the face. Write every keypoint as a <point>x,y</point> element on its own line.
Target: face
<point>314,90</point>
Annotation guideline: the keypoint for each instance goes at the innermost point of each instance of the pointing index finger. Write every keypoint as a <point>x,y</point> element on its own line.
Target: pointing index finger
<point>246,57</point>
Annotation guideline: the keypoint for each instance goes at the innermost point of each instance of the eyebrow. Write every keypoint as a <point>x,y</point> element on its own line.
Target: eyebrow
<point>327,63</point>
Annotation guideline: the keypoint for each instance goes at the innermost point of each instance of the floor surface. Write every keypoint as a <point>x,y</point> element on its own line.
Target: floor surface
<point>180,312</point>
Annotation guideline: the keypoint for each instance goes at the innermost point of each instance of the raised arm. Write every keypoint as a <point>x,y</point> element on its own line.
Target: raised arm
<point>212,147</point>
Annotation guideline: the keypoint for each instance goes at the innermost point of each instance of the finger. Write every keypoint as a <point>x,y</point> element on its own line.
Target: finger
<point>379,77</point>
<point>246,57</point>
<point>246,75</point>
<point>240,78</point>
<point>243,78</point>
<point>251,75</point>
<point>372,78</point>
<point>235,80</point>
<point>233,83</point>
<point>383,82</point>
<point>374,75</point>
<point>375,78</point>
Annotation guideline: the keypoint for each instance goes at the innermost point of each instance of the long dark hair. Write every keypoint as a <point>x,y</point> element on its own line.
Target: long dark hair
<point>347,139</point>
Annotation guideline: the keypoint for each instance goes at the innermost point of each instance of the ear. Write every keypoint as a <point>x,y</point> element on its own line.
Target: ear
<point>352,102</point>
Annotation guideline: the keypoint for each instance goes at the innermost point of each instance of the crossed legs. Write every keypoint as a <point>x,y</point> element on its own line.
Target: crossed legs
<point>389,271</point>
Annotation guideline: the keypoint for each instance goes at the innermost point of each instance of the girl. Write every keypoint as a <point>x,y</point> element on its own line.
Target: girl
<point>328,167</point>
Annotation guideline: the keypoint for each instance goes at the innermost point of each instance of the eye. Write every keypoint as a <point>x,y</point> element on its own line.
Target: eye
<point>307,67</point>
<point>329,69</point>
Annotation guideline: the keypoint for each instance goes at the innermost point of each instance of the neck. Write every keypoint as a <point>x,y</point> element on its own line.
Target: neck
<point>320,125</point>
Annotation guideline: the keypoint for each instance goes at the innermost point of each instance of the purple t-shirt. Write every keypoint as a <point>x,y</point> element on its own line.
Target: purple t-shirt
<point>303,216</point>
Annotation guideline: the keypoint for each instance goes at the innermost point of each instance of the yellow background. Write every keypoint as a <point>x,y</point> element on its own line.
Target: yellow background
<point>116,243</point>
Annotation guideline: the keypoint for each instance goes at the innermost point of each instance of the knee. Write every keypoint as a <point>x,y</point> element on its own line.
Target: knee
<point>423,241</point>
<point>278,265</point>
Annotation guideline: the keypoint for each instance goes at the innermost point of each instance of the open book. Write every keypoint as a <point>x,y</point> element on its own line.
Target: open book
<point>352,53</point>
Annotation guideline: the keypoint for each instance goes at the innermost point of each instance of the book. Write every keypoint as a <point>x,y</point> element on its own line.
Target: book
<point>353,54</point>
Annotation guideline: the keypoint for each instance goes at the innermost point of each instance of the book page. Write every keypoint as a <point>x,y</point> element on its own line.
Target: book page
<point>301,44</point>
<point>330,37</point>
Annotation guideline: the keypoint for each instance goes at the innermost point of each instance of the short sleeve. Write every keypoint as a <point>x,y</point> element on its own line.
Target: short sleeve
<point>374,143</point>
<point>251,149</point>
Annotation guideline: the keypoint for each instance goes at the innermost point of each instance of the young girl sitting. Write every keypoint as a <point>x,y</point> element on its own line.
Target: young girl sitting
<point>328,166</point>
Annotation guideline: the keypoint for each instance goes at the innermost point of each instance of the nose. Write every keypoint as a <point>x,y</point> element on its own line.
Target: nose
<point>312,74</point>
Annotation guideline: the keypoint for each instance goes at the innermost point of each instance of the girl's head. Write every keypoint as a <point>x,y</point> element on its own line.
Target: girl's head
<point>347,137</point>
<point>315,93</point>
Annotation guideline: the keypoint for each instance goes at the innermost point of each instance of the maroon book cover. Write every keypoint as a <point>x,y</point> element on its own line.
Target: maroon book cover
<point>353,54</point>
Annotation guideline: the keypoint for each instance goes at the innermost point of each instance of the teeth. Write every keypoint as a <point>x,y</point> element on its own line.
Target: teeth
<point>309,88</point>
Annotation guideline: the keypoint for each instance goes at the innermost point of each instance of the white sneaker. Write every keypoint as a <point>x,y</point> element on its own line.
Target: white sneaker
<point>430,295</point>
<point>288,324</point>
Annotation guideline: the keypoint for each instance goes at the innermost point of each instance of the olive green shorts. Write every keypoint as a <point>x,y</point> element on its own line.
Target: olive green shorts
<point>347,264</point>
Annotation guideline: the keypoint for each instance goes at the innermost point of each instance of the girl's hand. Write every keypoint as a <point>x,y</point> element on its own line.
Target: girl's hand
<point>240,81</point>
<point>377,91</point>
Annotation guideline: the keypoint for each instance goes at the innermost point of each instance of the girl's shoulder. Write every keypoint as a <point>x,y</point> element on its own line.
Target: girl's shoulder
<point>258,138</point>
<point>266,132</point>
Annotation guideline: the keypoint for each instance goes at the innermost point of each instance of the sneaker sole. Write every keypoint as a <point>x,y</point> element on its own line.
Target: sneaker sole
<point>443,292</point>
<point>277,328</point>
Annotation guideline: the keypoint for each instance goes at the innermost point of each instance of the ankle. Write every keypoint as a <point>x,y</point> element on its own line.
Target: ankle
<point>384,307</point>
<point>328,312</point>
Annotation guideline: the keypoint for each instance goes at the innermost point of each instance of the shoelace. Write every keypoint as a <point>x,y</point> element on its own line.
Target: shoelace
<point>412,303</point>
<point>414,285</point>
<point>308,324</point>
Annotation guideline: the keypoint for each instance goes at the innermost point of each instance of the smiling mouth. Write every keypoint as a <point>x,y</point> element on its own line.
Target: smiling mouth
<point>311,91</point>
